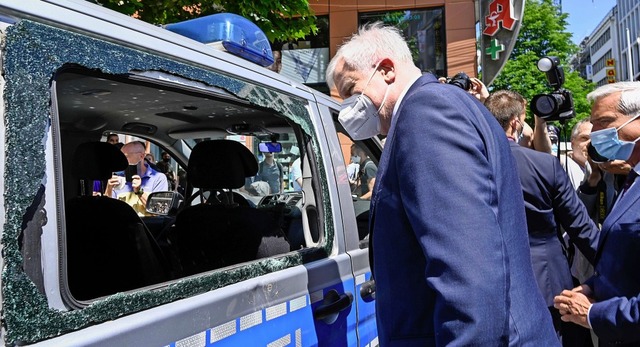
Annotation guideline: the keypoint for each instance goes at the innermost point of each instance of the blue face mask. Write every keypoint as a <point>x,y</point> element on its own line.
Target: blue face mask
<point>608,145</point>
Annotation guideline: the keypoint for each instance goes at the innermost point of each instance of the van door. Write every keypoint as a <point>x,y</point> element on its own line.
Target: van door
<point>354,215</point>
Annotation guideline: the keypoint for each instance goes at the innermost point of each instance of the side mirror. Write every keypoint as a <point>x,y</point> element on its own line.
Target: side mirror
<point>164,203</point>
<point>273,147</point>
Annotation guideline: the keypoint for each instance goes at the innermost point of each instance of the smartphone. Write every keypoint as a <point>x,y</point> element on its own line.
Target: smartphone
<point>130,171</point>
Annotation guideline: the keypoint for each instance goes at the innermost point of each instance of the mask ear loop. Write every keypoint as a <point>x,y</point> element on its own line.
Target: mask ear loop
<point>370,78</point>
<point>627,122</point>
<point>384,98</point>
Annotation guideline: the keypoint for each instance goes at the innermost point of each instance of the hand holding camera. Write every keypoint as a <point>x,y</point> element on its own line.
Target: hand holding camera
<point>136,181</point>
<point>473,85</point>
<point>116,182</point>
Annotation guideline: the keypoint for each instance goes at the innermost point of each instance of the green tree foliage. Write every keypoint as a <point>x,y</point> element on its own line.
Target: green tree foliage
<point>543,33</point>
<point>281,20</point>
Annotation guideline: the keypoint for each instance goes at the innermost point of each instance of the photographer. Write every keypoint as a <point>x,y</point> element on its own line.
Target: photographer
<point>536,138</point>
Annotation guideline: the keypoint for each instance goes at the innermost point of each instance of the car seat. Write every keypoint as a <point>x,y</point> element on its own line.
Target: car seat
<point>222,231</point>
<point>108,247</point>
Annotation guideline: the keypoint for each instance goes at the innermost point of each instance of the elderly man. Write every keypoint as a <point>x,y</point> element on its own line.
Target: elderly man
<point>143,181</point>
<point>609,302</point>
<point>449,240</point>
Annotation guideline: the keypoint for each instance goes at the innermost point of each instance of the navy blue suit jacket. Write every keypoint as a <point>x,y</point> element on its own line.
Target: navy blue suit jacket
<point>549,200</point>
<point>615,317</point>
<point>451,253</point>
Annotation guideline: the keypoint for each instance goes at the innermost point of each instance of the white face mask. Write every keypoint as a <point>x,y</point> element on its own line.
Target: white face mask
<point>358,115</point>
<point>355,159</point>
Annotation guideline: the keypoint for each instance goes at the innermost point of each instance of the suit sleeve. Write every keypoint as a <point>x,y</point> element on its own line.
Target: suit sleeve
<point>571,213</point>
<point>449,197</point>
<point>616,319</point>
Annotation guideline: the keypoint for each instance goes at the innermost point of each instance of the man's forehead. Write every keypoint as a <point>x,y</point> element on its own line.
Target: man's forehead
<point>585,127</point>
<point>346,77</point>
<point>607,104</point>
<point>131,148</point>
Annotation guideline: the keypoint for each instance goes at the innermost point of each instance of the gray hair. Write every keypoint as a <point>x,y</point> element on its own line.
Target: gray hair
<point>629,96</point>
<point>576,127</point>
<point>364,49</point>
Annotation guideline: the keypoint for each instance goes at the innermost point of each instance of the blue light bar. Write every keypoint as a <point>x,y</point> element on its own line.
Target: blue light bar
<point>237,34</point>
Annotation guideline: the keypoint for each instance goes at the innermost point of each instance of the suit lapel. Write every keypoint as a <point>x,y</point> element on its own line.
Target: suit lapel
<point>630,198</point>
<point>624,202</point>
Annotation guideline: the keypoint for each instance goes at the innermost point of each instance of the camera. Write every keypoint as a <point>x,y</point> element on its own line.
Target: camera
<point>460,80</point>
<point>557,105</point>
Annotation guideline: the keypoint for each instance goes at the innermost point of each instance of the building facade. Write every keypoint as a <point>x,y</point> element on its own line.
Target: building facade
<point>612,52</point>
<point>628,39</point>
<point>604,50</point>
<point>440,33</point>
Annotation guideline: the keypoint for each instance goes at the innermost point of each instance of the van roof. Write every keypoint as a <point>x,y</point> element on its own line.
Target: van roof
<point>83,16</point>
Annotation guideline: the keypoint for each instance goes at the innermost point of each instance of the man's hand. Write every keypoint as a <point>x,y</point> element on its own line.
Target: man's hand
<point>478,89</point>
<point>527,136</point>
<point>541,140</point>
<point>595,174</point>
<point>574,305</point>
<point>112,183</point>
<point>136,181</point>
<point>618,167</point>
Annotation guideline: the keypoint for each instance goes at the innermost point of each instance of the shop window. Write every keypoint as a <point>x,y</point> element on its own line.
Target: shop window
<point>424,31</point>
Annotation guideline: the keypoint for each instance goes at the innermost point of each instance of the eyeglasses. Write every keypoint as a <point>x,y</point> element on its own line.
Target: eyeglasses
<point>595,156</point>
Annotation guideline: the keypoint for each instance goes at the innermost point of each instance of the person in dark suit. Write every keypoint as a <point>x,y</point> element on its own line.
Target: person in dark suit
<point>550,201</point>
<point>609,302</point>
<point>448,231</point>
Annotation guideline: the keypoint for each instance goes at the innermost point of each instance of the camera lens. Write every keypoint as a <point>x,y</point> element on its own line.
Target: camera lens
<point>545,105</point>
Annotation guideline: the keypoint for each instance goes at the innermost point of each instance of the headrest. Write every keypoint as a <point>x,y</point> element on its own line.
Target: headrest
<point>220,164</point>
<point>97,161</point>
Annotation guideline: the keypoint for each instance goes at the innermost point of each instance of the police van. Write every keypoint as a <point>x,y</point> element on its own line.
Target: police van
<point>215,258</point>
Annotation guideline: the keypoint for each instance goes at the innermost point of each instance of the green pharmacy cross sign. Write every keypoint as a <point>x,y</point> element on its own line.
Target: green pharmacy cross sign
<point>494,49</point>
<point>501,20</point>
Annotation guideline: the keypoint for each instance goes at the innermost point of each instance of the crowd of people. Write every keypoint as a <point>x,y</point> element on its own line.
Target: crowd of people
<point>479,234</point>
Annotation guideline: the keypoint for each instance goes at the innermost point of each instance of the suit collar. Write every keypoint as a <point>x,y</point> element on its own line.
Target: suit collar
<point>624,202</point>
<point>404,92</point>
<point>421,81</point>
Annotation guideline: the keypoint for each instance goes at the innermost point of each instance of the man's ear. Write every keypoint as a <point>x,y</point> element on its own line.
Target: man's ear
<point>513,123</point>
<point>388,70</point>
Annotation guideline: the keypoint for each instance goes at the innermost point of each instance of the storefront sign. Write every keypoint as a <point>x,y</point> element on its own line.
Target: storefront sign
<point>501,20</point>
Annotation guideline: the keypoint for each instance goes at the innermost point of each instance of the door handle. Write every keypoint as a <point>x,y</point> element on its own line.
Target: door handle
<point>368,291</point>
<point>332,305</point>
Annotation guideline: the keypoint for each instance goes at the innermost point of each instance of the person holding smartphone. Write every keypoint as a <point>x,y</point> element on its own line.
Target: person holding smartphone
<point>137,181</point>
